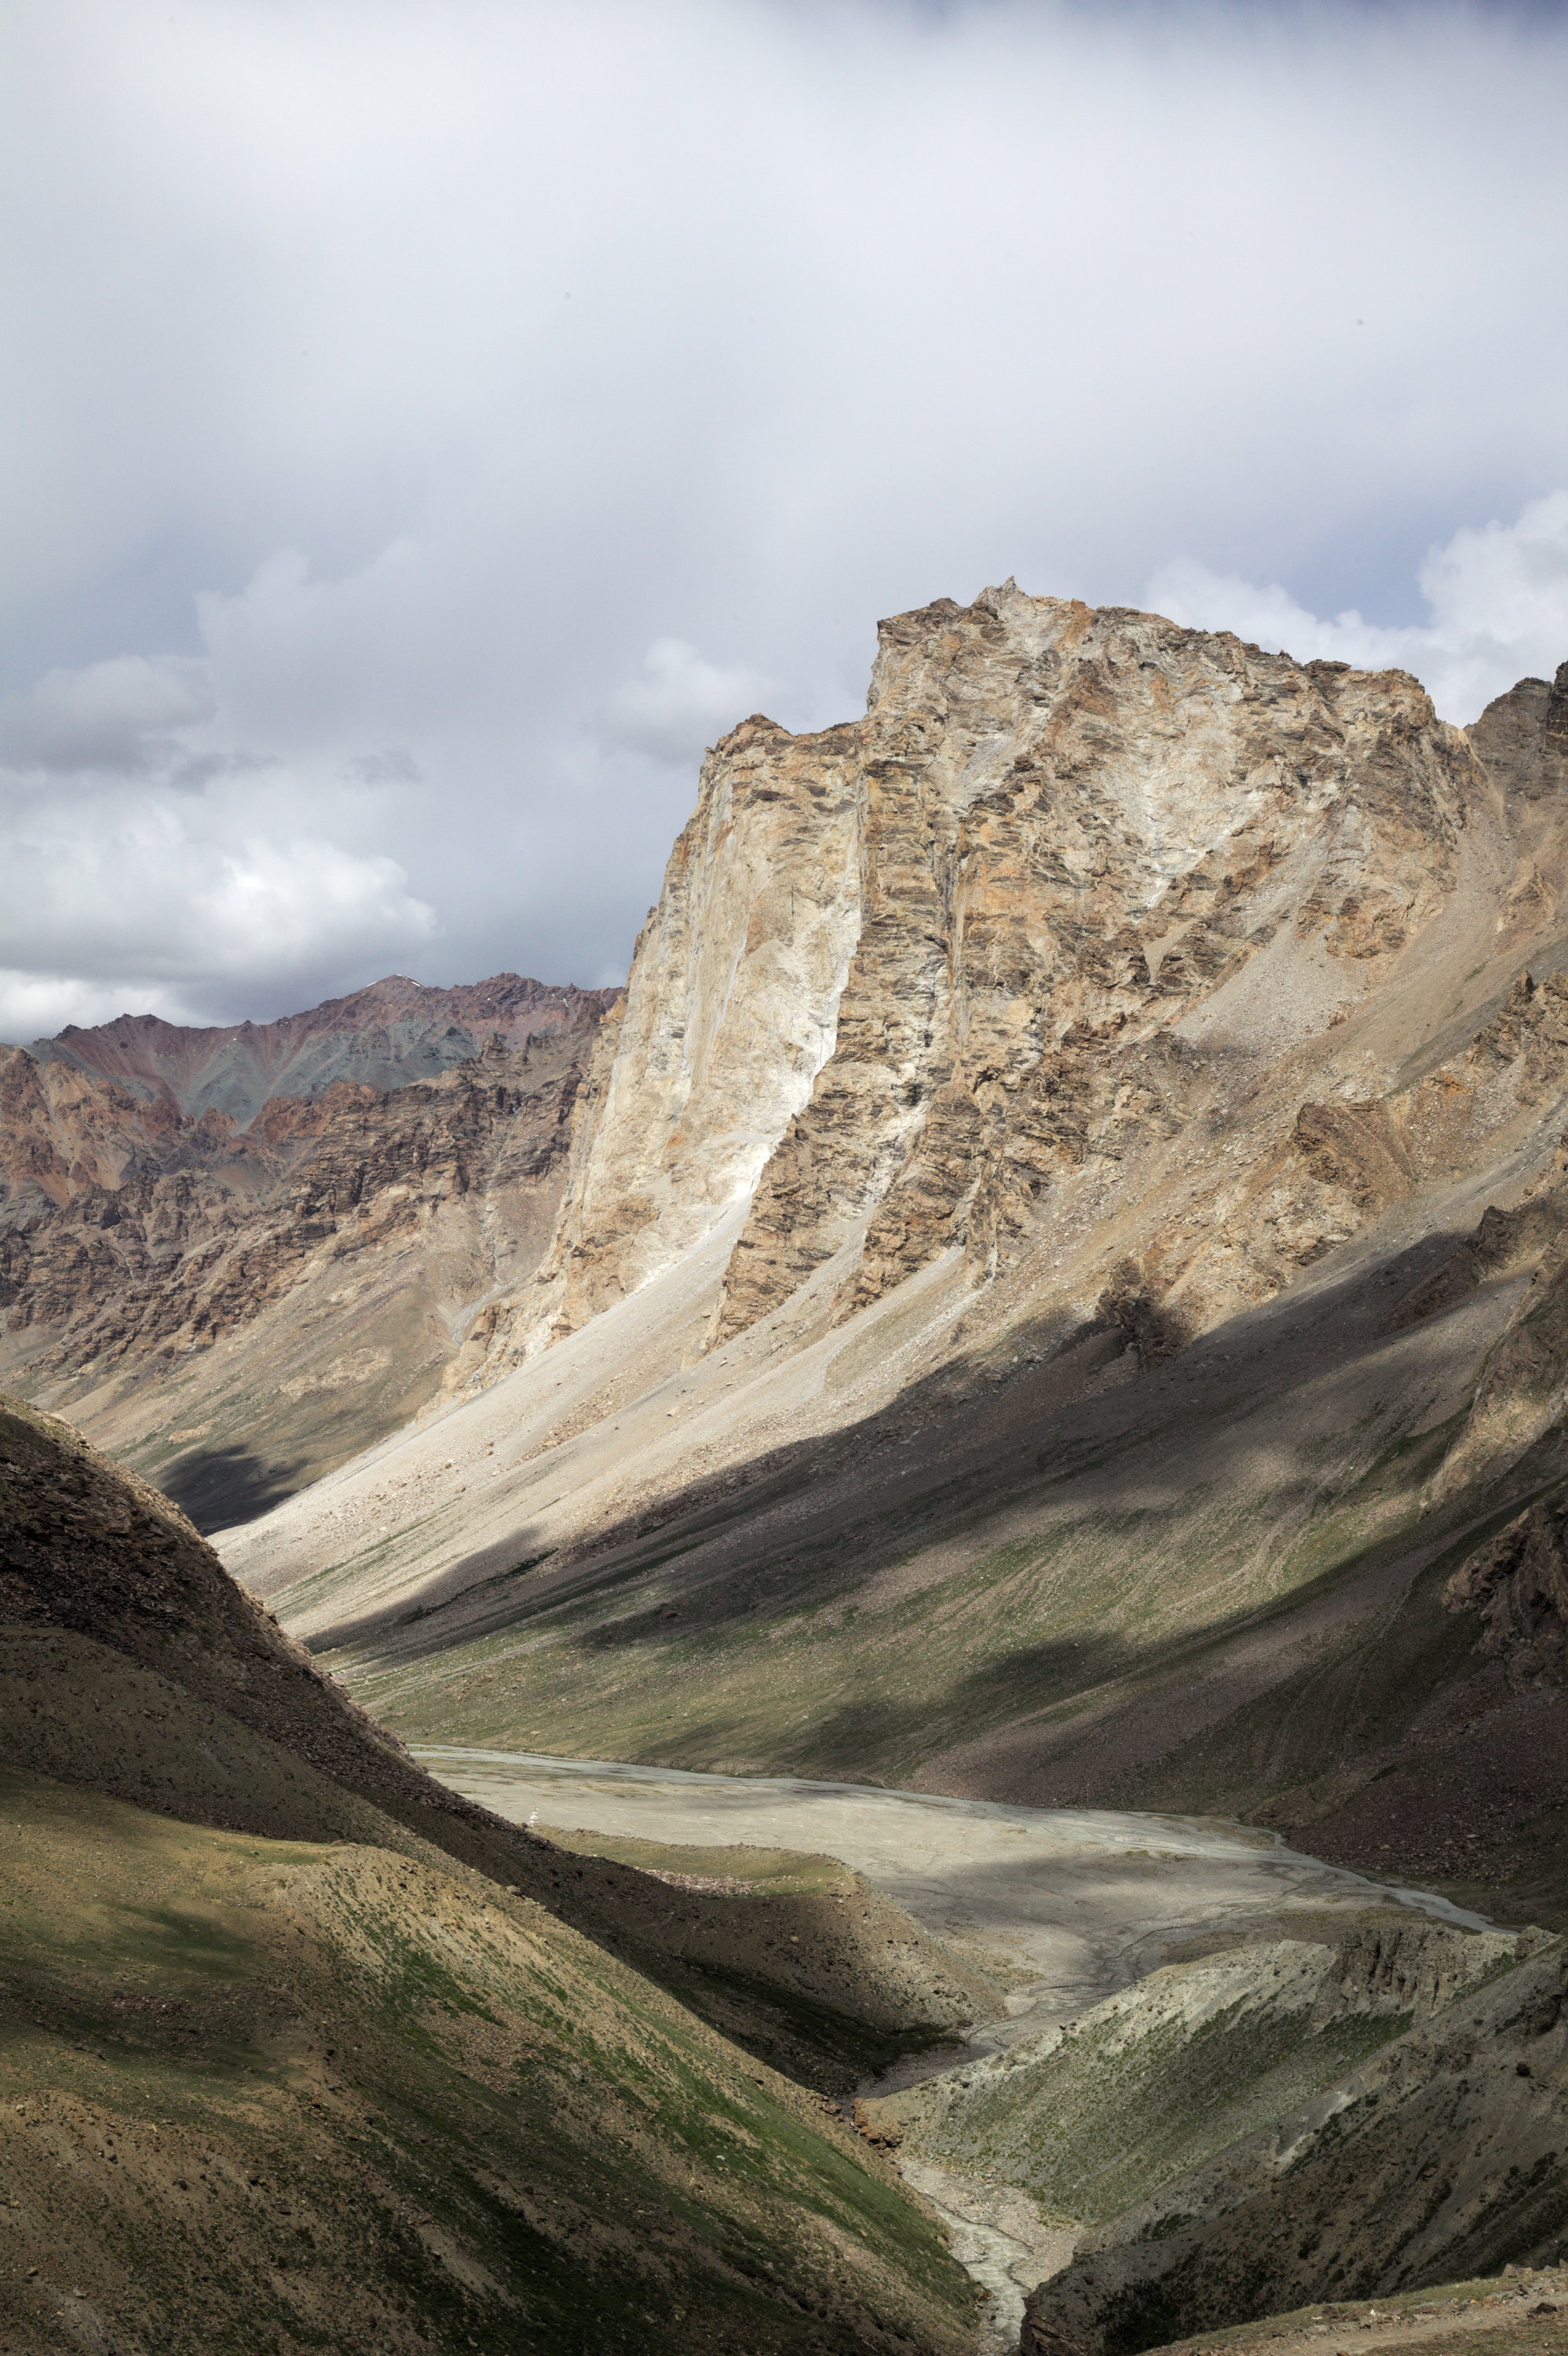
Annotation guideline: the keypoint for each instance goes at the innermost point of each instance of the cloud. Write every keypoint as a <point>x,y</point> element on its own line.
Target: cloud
<point>160,899</point>
<point>441,421</point>
<point>38,1005</point>
<point>1498,598</point>
<point>678,703</point>
<point>107,715</point>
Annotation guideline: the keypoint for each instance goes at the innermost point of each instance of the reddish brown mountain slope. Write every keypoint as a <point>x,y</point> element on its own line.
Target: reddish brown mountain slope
<point>392,1032</point>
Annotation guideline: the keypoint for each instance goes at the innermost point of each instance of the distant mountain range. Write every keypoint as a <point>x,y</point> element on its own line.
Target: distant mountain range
<point>381,1037</point>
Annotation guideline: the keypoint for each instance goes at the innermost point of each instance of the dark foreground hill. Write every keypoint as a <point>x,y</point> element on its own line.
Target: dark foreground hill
<point>300,2050</point>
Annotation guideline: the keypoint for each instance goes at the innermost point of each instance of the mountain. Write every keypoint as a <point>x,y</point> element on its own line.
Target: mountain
<point>1440,2160</point>
<point>268,1239</point>
<point>1277,2121</point>
<point>1058,1274</point>
<point>382,1037</point>
<point>302,2050</point>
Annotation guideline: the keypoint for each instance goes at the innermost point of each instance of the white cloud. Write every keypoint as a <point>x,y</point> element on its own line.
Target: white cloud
<point>476,404</point>
<point>678,703</point>
<point>1498,598</point>
<point>37,1005</point>
<point>157,897</point>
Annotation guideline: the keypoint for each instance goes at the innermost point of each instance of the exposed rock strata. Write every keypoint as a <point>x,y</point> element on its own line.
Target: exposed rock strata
<point>1078,828</point>
<point>182,1231</point>
<point>728,1016</point>
<point>984,967</point>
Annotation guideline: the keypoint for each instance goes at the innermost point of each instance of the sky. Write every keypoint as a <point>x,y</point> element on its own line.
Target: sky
<point>429,424</point>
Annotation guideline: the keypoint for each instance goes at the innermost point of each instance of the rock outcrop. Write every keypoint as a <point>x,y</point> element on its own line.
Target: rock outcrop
<point>1518,1583</point>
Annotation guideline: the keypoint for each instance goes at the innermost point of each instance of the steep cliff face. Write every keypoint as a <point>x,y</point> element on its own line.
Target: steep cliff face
<point>1081,829</point>
<point>729,1015</point>
<point>976,970</point>
<point>282,1287</point>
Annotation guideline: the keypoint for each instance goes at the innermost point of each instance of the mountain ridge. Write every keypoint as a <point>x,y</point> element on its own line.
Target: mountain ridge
<point>374,1168</point>
<point>389,1033</point>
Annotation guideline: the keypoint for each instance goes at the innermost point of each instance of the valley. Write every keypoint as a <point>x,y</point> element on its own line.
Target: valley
<point>895,1602</point>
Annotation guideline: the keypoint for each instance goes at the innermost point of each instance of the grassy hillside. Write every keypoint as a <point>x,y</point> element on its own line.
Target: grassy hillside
<point>299,2050</point>
<point>326,2096</point>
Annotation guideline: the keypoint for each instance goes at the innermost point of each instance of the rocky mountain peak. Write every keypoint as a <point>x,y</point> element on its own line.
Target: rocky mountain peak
<point>1079,886</point>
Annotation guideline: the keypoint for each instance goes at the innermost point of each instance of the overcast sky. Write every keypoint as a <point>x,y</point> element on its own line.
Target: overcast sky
<point>431,421</point>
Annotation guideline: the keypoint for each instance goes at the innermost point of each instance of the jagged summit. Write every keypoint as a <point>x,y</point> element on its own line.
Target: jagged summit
<point>950,975</point>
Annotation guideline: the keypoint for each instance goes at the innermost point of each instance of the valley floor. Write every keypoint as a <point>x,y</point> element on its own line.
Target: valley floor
<point>1063,1906</point>
<point>1067,1904</point>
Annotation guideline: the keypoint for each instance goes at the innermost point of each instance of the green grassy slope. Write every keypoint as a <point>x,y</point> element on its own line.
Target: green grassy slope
<point>324,2096</point>
<point>299,2050</point>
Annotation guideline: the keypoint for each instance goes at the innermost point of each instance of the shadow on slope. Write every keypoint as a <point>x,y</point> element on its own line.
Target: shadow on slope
<point>1441,2157</point>
<point>90,1552</point>
<point>1211,1588</point>
<point>407,2102</point>
<point>217,1487</point>
<point>334,2097</point>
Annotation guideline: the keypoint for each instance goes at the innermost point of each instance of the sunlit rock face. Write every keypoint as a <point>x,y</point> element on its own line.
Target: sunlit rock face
<point>1061,921</point>
<point>1062,1256</point>
<point>729,1015</point>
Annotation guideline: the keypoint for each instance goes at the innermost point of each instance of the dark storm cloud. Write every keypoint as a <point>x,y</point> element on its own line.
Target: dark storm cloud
<point>441,421</point>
